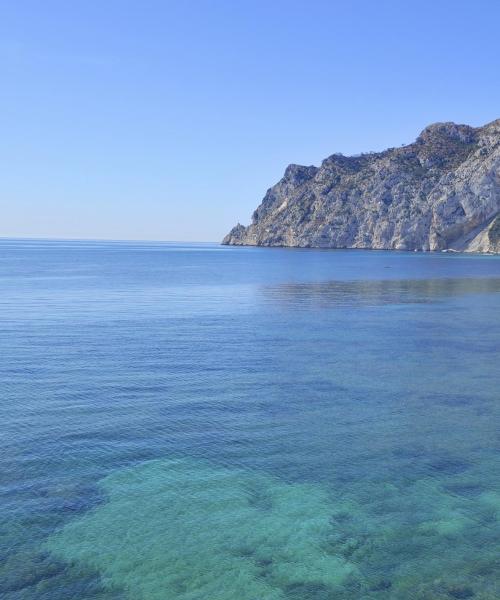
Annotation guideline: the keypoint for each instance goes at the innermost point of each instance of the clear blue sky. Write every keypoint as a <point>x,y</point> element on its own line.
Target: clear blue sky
<point>169,120</point>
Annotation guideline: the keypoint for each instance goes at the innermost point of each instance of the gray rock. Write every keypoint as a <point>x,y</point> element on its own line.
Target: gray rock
<point>440,193</point>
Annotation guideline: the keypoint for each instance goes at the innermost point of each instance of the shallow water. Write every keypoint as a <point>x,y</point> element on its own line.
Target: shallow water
<point>198,422</point>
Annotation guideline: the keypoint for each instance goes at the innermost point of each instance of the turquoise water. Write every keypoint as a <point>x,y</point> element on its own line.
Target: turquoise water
<point>197,422</point>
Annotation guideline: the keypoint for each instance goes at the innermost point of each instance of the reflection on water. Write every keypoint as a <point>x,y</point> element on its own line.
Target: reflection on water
<point>377,292</point>
<point>197,423</point>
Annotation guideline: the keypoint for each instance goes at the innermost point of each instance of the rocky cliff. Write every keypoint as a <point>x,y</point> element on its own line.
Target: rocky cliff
<point>440,193</point>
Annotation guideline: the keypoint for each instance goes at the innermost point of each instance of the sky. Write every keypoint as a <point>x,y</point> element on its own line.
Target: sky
<point>168,120</point>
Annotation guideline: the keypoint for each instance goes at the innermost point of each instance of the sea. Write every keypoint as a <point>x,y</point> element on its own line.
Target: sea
<point>187,421</point>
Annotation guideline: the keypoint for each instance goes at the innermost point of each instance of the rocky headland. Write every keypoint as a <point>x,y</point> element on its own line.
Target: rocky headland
<point>441,192</point>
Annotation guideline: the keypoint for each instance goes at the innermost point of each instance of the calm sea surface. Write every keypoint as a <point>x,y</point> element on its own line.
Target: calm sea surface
<point>196,422</point>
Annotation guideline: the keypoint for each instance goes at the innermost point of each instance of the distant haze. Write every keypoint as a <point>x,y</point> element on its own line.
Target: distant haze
<point>169,120</point>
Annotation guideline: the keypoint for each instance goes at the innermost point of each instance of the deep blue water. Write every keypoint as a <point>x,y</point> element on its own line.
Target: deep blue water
<point>198,422</point>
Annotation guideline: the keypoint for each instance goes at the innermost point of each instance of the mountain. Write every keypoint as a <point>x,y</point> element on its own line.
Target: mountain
<point>440,193</point>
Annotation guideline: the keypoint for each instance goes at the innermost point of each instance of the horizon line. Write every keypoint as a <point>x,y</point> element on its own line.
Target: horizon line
<point>91,239</point>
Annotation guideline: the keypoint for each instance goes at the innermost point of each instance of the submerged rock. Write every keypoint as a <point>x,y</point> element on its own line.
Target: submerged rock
<point>440,193</point>
<point>181,529</point>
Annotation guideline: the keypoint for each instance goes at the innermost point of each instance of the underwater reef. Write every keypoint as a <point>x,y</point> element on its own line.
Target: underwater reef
<point>186,529</point>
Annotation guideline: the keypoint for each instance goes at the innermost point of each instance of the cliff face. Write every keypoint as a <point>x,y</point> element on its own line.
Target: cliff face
<point>441,192</point>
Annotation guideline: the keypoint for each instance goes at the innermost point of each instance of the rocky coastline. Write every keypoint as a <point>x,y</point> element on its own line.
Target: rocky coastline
<point>440,193</point>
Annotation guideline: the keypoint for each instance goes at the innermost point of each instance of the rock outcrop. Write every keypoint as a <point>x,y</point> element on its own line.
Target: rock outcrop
<point>440,193</point>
